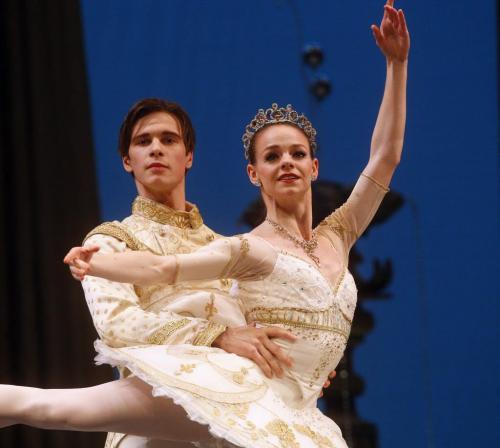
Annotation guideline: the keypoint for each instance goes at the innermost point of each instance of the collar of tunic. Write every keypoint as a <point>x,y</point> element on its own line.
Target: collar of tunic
<point>162,214</point>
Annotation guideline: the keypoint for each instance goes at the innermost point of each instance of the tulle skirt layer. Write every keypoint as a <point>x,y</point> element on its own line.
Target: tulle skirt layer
<point>226,392</point>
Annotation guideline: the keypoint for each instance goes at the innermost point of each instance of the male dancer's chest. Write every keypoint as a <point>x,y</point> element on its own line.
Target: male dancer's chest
<point>209,300</point>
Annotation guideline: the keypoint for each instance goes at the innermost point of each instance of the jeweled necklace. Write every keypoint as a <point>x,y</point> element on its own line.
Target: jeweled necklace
<point>308,246</point>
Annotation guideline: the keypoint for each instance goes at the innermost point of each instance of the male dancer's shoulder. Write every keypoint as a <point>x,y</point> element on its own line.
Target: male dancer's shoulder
<point>119,231</point>
<point>137,233</point>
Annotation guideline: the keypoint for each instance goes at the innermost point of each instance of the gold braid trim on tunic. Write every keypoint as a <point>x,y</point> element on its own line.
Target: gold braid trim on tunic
<point>121,233</point>
<point>209,334</point>
<point>160,336</point>
<point>165,215</point>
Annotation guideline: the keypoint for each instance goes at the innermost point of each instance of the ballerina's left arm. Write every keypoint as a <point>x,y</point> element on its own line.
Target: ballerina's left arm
<point>138,267</point>
<point>393,39</point>
<point>232,257</point>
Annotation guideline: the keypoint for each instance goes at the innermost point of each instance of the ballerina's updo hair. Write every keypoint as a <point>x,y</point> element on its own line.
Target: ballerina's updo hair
<point>276,115</point>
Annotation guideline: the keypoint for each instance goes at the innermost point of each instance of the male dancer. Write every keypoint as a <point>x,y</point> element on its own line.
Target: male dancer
<point>156,143</point>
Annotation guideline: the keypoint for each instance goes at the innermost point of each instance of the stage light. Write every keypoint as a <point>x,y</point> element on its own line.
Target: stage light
<point>312,55</point>
<point>321,87</point>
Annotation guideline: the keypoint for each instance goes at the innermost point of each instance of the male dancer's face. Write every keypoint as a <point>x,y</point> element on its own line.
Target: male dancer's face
<point>157,156</point>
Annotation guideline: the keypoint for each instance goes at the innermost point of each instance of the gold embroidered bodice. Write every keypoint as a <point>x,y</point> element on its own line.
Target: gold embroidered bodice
<point>297,297</point>
<point>279,289</point>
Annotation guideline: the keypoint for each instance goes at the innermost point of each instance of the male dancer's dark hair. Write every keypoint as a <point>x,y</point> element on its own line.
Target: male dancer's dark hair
<point>148,106</point>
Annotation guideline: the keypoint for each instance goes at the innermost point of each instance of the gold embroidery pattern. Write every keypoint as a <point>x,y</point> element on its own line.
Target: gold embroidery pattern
<point>245,246</point>
<point>331,319</point>
<point>337,286</point>
<point>160,336</point>
<point>121,233</point>
<point>318,439</point>
<point>283,432</point>
<point>165,215</point>
<point>335,223</point>
<point>240,410</point>
<point>185,368</point>
<point>318,371</point>
<point>209,334</point>
<point>226,284</point>
<point>291,323</point>
<point>239,377</point>
<point>210,307</point>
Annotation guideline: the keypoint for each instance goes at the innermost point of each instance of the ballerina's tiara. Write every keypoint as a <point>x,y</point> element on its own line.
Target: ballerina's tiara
<point>277,115</point>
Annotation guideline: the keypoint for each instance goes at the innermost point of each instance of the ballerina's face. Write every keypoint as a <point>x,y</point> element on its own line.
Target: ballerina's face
<point>284,164</point>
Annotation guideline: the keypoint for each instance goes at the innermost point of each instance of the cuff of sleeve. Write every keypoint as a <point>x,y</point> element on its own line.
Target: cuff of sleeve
<point>209,334</point>
<point>161,336</point>
<point>376,182</point>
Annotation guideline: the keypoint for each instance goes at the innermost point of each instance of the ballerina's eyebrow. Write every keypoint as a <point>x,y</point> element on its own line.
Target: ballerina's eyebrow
<point>292,146</point>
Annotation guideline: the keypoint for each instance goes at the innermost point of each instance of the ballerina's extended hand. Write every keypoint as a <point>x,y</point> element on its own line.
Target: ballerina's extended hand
<point>392,37</point>
<point>78,259</point>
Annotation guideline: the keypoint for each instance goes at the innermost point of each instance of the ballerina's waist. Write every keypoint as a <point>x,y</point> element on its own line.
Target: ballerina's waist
<point>331,319</point>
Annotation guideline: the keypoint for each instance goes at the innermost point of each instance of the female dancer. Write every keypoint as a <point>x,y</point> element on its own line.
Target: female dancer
<point>288,274</point>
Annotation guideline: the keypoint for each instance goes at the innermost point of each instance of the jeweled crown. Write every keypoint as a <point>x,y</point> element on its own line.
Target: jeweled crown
<point>277,115</point>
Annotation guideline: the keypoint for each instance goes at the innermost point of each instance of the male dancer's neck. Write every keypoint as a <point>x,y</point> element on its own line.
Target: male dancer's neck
<point>175,199</point>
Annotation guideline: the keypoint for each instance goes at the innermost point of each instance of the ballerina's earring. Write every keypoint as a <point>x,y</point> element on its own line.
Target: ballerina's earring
<point>257,183</point>
<point>314,177</point>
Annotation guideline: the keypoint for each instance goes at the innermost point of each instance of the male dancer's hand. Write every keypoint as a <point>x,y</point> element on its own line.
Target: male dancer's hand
<point>256,344</point>
<point>331,376</point>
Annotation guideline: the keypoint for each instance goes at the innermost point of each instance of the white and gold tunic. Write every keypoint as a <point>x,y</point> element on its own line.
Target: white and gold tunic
<point>128,315</point>
<point>230,393</point>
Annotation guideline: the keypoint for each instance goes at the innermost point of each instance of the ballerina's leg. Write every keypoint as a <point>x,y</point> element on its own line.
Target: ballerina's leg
<point>124,406</point>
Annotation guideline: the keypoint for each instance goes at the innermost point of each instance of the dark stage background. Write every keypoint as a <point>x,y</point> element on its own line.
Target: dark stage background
<point>48,200</point>
<point>70,71</point>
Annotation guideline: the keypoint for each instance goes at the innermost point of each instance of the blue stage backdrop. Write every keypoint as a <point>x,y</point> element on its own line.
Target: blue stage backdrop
<point>432,363</point>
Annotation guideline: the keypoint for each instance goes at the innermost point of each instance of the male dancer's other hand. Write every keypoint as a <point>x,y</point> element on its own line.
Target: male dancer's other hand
<point>331,376</point>
<point>78,259</point>
<point>256,344</point>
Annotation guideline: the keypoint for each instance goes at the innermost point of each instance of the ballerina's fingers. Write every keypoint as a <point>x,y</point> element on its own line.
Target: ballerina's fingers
<point>393,16</point>
<point>403,29</point>
<point>73,253</point>
<point>84,253</point>
<point>377,34</point>
<point>79,269</point>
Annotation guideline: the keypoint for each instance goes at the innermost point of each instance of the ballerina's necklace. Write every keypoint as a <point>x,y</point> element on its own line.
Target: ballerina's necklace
<point>308,246</point>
